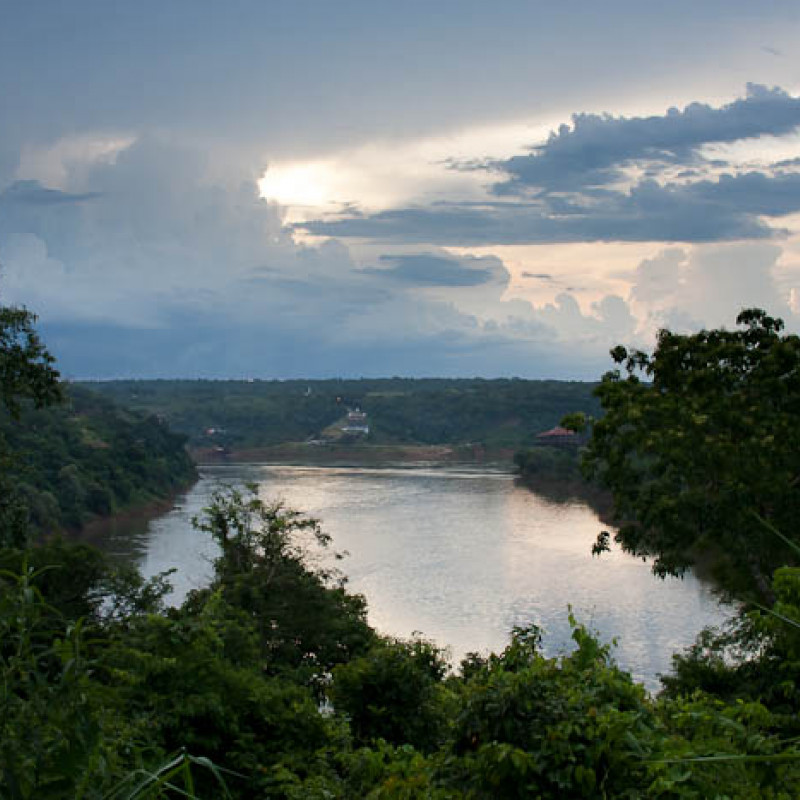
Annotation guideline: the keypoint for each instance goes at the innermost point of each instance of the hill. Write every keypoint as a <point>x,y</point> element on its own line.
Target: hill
<point>240,415</point>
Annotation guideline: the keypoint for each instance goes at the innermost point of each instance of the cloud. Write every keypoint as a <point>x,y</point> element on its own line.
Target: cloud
<point>359,70</point>
<point>615,179</point>
<point>592,151</point>
<point>658,279</point>
<point>33,193</point>
<point>749,194</point>
<point>426,269</point>
<point>539,276</point>
<point>707,286</point>
<point>724,209</point>
<point>154,268</point>
<point>150,263</point>
<point>609,322</point>
<point>135,143</point>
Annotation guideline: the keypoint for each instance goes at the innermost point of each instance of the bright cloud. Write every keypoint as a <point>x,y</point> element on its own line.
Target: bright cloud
<point>385,174</point>
<point>571,188</point>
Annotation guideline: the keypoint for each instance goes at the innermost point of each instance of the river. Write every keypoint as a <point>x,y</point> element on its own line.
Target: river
<point>458,555</point>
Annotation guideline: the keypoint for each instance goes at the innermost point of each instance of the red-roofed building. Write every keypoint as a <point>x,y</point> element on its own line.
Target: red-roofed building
<point>558,437</point>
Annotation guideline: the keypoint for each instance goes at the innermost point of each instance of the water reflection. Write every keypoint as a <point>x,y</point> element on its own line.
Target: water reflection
<point>459,555</point>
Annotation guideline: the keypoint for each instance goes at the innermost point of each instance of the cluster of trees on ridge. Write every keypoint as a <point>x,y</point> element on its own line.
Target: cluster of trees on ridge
<point>249,414</point>
<point>270,683</point>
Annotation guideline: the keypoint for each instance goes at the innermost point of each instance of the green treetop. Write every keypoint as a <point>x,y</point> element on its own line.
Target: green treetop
<point>700,439</point>
<point>26,367</point>
<point>26,373</point>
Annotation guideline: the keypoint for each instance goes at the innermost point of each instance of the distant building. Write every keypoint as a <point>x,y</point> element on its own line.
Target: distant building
<point>356,422</point>
<point>558,437</point>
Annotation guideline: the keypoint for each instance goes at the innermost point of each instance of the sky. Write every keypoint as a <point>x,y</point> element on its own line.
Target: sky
<point>455,188</point>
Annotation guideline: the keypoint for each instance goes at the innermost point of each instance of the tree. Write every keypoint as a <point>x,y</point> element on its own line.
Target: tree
<point>393,692</point>
<point>698,440</point>
<point>26,372</point>
<point>306,620</point>
<point>26,367</point>
<point>572,726</point>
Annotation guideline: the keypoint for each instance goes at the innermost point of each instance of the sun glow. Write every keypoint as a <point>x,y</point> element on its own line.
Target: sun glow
<point>299,184</point>
<point>383,174</point>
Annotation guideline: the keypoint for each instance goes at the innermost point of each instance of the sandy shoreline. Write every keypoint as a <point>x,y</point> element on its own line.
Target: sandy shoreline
<point>356,455</point>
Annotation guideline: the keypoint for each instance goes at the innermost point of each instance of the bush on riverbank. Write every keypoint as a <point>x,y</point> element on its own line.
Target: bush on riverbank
<point>548,464</point>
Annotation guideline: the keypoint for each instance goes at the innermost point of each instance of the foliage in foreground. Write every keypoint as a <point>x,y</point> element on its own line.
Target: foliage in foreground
<point>271,681</point>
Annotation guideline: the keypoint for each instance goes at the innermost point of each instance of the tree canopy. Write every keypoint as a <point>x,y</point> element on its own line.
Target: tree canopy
<point>700,444</point>
<point>26,373</point>
<point>68,455</point>
<point>26,367</point>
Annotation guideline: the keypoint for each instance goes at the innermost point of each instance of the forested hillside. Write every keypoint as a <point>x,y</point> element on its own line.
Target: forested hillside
<point>498,413</point>
<point>87,457</point>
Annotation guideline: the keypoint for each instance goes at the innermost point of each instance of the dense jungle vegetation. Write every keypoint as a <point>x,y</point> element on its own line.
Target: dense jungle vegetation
<point>244,414</point>
<point>270,683</point>
<point>85,458</point>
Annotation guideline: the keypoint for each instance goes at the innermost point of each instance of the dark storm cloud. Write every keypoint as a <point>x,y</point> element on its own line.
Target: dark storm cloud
<point>431,270</point>
<point>707,212</point>
<point>751,193</point>
<point>356,68</point>
<point>592,151</point>
<point>217,348</point>
<point>33,193</point>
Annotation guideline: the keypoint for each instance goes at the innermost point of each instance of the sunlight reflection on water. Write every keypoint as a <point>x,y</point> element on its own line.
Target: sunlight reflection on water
<point>457,554</point>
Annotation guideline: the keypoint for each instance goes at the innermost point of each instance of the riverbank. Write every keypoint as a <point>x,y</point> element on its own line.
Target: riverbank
<point>127,518</point>
<point>355,455</point>
<point>561,490</point>
<point>302,454</point>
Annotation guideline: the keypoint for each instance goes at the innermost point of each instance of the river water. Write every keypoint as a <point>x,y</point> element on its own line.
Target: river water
<point>458,555</point>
